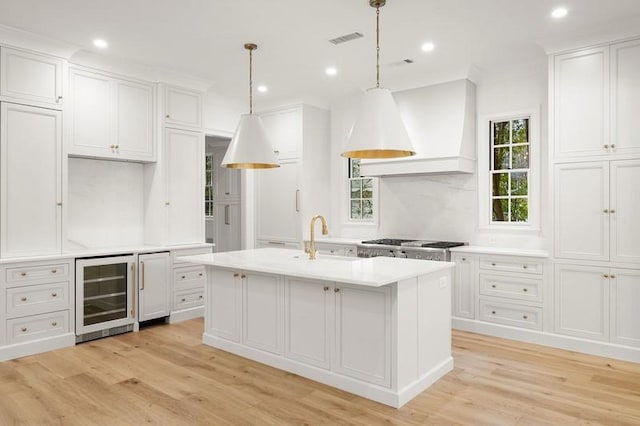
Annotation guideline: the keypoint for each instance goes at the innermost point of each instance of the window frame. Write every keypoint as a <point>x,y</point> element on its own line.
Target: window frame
<point>209,156</point>
<point>485,171</point>
<point>373,220</point>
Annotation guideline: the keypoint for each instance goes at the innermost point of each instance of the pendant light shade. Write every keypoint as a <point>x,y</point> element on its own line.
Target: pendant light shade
<point>378,131</point>
<point>250,148</point>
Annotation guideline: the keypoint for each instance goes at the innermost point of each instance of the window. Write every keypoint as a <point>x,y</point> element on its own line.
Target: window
<point>361,194</point>
<point>509,170</point>
<point>208,186</point>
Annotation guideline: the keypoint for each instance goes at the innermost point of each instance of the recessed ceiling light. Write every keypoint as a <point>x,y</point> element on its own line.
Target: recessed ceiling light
<point>559,12</point>
<point>428,47</point>
<point>101,44</point>
<point>331,71</point>
<point>262,89</point>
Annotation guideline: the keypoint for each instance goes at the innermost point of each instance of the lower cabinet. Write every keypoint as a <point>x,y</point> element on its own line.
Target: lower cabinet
<point>262,311</point>
<point>625,298</point>
<point>154,286</point>
<point>187,294</point>
<point>227,226</point>
<point>464,291</point>
<point>225,299</point>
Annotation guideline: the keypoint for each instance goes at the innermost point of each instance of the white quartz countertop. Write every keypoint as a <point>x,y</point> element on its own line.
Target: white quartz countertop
<point>372,272</point>
<point>500,251</point>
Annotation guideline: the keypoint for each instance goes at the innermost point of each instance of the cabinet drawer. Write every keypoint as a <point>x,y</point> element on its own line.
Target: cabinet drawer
<point>27,273</point>
<point>513,287</point>
<point>37,299</point>
<point>523,265</point>
<point>175,254</point>
<point>188,299</point>
<point>185,278</point>
<point>36,327</point>
<point>510,314</point>
<point>331,251</point>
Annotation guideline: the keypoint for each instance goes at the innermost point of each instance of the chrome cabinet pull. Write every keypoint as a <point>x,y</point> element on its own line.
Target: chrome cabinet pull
<point>226,215</point>
<point>297,200</point>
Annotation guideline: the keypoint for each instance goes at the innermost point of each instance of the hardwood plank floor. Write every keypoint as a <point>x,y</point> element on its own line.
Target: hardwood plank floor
<point>164,375</point>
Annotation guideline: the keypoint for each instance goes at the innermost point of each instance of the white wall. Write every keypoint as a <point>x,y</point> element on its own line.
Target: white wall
<point>444,207</point>
<point>221,114</point>
<point>105,205</point>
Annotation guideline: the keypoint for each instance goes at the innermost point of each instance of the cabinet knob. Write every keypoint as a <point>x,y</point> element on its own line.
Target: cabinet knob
<point>243,276</point>
<point>59,99</point>
<point>59,204</point>
<point>606,147</point>
<point>200,297</point>
<point>605,211</point>
<point>117,146</point>
<point>525,290</point>
<point>606,276</point>
<point>24,329</point>
<point>112,146</point>
<point>493,264</point>
<point>54,324</point>
<point>23,274</point>
<point>236,275</point>
<point>464,259</point>
<point>493,312</point>
<point>183,300</point>
<point>166,203</point>
<point>493,286</point>
<point>613,276</point>
<point>167,116</point>
<point>183,277</point>
<point>200,274</point>
<point>276,152</point>
<point>54,294</point>
<point>326,288</point>
<point>613,145</point>
<point>53,271</point>
<point>612,211</point>
<point>524,317</point>
<point>336,289</point>
<point>226,193</point>
<point>23,299</point>
<point>524,266</point>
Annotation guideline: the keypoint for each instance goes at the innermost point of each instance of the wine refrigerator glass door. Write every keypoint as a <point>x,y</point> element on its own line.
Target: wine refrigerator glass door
<point>104,293</point>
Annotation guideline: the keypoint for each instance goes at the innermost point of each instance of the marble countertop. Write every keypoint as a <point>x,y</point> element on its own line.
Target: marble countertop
<point>372,272</point>
<point>501,251</point>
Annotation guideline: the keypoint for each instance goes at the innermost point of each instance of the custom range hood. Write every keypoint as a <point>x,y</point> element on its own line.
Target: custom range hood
<point>441,123</point>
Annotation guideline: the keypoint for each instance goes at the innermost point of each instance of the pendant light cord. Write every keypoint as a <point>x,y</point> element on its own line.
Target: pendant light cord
<point>378,47</point>
<point>250,81</point>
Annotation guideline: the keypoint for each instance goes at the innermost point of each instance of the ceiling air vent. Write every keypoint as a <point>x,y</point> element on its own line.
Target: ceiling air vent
<point>345,38</point>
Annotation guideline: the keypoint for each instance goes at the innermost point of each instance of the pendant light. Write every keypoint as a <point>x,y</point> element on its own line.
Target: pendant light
<point>378,131</point>
<point>250,148</point>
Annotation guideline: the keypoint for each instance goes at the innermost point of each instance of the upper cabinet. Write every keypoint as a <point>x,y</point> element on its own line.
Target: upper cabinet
<point>110,117</point>
<point>32,78</point>
<point>284,128</point>
<point>596,96</point>
<point>182,108</point>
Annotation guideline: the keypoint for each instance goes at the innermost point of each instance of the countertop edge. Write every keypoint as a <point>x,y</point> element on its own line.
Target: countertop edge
<point>501,251</point>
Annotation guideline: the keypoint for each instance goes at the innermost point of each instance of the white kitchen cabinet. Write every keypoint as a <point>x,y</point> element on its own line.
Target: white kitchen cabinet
<point>31,78</point>
<point>262,311</point>
<point>182,108</point>
<point>362,328</point>
<point>184,179</point>
<point>278,203</point>
<point>188,282</point>
<point>227,222</point>
<point>30,181</point>
<point>625,315</point>
<point>464,288</point>
<point>284,127</point>
<point>224,299</point>
<point>154,282</point>
<point>581,103</point>
<point>226,182</point>
<point>308,322</point>
<point>624,206</point>
<point>110,117</point>
<point>582,301</point>
<point>625,97</point>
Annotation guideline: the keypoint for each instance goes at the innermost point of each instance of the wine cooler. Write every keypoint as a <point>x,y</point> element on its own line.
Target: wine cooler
<point>105,296</point>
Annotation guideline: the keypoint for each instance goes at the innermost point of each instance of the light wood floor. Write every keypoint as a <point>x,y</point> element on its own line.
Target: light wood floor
<point>164,375</point>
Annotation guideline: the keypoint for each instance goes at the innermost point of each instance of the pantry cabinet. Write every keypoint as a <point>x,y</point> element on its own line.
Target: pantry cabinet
<point>30,181</point>
<point>625,98</point>
<point>110,117</point>
<point>154,288</point>
<point>31,78</point>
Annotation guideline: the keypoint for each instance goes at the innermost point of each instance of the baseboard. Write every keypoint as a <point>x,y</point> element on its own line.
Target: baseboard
<point>186,314</point>
<point>37,346</point>
<point>576,344</point>
<point>376,393</point>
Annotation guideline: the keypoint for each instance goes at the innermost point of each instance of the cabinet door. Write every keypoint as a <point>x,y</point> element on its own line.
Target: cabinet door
<point>308,312</point>
<point>91,128</point>
<point>625,97</point>
<point>464,294</point>
<point>581,103</point>
<point>183,108</point>
<point>224,304</point>
<point>185,186</point>
<point>226,182</point>
<point>625,315</point>
<point>278,204</point>
<point>134,121</point>
<point>228,227</point>
<point>30,180</point>
<point>582,211</point>
<point>31,77</point>
<point>363,333</point>
<point>262,308</point>
<point>625,205</point>
<point>582,301</point>
<point>153,285</point>
<point>284,130</point>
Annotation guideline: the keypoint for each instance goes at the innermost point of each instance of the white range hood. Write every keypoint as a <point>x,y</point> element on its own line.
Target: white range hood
<point>441,123</point>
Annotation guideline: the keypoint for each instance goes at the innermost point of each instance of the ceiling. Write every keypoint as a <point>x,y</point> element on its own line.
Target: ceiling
<point>204,38</point>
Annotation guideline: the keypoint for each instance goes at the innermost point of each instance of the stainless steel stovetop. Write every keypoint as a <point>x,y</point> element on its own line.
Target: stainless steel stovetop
<point>412,249</point>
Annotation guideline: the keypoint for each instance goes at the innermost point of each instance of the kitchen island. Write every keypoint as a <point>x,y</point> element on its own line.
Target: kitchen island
<point>377,327</point>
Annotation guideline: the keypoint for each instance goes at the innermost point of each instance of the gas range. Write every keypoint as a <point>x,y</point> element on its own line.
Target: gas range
<point>412,249</point>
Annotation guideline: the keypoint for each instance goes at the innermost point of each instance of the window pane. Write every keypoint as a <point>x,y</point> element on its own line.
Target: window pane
<point>519,183</point>
<point>501,159</point>
<point>367,209</point>
<point>356,209</point>
<point>500,184</point>
<point>355,168</point>
<point>208,193</point>
<point>356,188</point>
<point>500,210</point>
<point>519,210</point>
<point>501,133</point>
<point>521,157</point>
<point>367,188</point>
<point>520,130</point>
